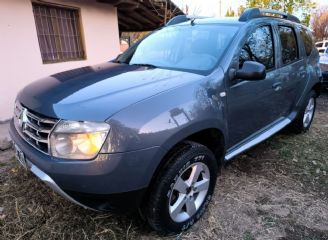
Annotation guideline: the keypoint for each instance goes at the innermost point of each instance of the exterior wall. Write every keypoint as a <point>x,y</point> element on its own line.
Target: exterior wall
<point>20,57</point>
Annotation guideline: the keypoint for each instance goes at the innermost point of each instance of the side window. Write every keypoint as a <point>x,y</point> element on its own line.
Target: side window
<point>259,48</point>
<point>307,40</point>
<point>288,44</point>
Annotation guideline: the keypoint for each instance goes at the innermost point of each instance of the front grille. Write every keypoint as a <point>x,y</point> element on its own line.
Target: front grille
<point>33,128</point>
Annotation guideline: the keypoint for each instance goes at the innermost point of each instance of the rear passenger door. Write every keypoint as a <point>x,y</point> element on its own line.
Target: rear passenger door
<point>293,72</point>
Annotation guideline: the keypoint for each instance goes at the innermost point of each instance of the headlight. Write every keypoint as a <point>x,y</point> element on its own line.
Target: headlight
<point>78,140</point>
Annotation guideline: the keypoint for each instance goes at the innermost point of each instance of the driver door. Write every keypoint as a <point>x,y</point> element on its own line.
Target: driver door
<point>251,104</point>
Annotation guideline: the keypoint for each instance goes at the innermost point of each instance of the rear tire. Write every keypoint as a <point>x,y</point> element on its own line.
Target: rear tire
<point>182,190</point>
<point>304,119</point>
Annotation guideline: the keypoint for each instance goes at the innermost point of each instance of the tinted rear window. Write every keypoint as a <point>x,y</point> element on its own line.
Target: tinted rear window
<point>307,40</point>
<point>289,49</point>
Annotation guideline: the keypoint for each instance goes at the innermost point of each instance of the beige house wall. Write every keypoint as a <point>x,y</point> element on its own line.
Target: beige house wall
<point>20,57</point>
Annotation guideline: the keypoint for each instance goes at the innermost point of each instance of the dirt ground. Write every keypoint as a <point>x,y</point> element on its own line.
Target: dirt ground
<point>277,190</point>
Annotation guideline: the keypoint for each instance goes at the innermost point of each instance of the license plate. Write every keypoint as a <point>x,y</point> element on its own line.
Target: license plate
<point>20,156</point>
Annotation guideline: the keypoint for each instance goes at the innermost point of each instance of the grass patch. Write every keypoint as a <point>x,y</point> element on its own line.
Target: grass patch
<point>3,164</point>
<point>305,156</point>
<point>248,236</point>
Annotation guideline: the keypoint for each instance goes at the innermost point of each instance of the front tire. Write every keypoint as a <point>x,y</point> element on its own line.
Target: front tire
<point>182,190</point>
<point>305,117</point>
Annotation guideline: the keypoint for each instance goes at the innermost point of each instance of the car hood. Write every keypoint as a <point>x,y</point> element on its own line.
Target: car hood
<point>95,93</point>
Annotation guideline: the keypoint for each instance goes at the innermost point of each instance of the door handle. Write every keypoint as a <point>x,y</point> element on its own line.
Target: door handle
<point>277,86</point>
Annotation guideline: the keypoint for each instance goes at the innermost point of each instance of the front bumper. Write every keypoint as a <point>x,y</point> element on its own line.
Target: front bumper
<point>51,183</point>
<point>110,182</point>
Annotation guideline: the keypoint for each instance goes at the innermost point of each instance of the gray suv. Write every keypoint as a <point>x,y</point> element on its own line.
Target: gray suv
<point>150,130</point>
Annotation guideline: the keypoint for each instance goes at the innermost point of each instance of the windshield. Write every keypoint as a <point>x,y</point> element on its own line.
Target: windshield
<point>189,47</point>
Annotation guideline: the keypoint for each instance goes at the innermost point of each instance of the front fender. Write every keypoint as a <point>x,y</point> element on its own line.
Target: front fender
<point>168,118</point>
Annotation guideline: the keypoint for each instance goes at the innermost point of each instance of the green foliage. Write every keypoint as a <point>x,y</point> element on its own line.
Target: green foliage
<point>241,10</point>
<point>306,19</point>
<point>289,6</point>
<point>230,13</point>
<point>258,3</point>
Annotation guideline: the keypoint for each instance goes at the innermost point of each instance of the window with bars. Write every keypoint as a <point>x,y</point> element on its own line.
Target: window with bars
<point>59,33</point>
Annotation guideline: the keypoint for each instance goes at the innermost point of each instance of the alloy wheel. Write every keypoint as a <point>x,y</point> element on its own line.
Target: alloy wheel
<point>308,113</point>
<point>189,192</point>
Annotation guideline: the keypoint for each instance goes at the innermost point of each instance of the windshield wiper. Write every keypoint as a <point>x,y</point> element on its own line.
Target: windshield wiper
<point>144,65</point>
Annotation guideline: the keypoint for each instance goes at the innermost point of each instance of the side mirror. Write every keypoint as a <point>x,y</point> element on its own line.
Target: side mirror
<point>251,71</point>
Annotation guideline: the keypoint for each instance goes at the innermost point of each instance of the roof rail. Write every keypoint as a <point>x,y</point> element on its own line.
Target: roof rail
<point>252,13</point>
<point>182,18</point>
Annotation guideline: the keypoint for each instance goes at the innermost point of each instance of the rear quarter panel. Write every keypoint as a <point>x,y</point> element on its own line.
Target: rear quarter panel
<point>314,74</point>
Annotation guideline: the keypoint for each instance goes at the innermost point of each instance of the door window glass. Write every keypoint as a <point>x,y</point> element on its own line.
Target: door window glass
<point>289,49</point>
<point>259,48</point>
